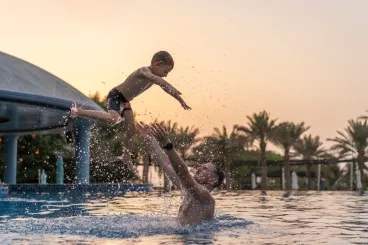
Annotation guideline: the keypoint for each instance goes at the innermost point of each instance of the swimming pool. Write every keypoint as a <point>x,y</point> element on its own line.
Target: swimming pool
<point>241,218</point>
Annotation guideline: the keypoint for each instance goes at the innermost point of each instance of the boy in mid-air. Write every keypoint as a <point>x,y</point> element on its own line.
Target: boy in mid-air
<point>118,99</point>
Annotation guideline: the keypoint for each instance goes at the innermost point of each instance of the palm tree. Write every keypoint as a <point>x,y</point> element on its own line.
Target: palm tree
<point>225,146</point>
<point>287,134</point>
<point>186,138</point>
<point>171,128</point>
<point>96,97</point>
<point>183,138</point>
<point>353,141</point>
<point>207,150</point>
<point>310,148</point>
<point>260,128</point>
<point>333,175</point>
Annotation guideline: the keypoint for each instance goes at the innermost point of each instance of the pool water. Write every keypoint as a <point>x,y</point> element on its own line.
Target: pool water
<point>241,218</point>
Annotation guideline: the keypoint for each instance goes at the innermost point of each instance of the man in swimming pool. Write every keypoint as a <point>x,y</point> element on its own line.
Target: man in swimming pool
<point>198,205</point>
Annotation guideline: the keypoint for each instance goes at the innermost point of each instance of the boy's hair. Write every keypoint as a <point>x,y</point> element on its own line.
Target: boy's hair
<point>220,177</point>
<point>163,57</point>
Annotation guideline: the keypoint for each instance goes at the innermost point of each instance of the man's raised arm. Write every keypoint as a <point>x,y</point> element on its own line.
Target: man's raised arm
<point>159,155</point>
<point>177,162</point>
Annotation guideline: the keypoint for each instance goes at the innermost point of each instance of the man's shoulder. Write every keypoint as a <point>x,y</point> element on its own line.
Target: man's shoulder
<point>202,193</point>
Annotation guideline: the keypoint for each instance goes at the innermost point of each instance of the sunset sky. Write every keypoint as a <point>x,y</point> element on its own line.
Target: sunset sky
<point>299,60</point>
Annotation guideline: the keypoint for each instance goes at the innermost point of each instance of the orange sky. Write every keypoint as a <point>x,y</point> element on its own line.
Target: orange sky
<point>299,60</point>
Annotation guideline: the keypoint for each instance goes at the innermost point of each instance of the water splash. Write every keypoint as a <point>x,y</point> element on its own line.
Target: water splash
<point>115,226</point>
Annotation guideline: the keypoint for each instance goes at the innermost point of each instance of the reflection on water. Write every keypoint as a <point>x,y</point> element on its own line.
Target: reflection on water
<point>246,217</point>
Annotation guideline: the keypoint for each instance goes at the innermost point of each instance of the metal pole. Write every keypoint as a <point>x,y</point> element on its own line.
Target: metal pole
<point>283,178</point>
<point>351,175</point>
<point>319,177</point>
<point>83,133</point>
<point>10,159</point>
<point>59,171</point>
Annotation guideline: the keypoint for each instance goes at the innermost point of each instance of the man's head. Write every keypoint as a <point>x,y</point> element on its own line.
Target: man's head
<point>162,63</point>
<point>209,175</point>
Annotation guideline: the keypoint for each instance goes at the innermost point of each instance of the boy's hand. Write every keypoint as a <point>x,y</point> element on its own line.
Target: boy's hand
<point>183,104</point>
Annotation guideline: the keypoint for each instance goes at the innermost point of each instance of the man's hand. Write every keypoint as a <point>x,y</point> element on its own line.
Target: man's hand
<point>160,132</point>
<point>144,130</point>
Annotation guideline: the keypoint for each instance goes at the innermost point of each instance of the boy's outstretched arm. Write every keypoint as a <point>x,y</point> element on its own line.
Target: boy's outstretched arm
<point>167,87</point>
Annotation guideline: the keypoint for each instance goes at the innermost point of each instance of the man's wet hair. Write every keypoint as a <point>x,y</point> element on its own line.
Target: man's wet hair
<point>164,57</point>
<point>220,177</point>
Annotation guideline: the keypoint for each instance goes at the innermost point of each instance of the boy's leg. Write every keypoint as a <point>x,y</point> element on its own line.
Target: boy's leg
<point>128,144</point>
<point>111,117</point>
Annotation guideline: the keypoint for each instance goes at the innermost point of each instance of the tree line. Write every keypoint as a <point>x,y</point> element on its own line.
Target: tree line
<point>224,147</point>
